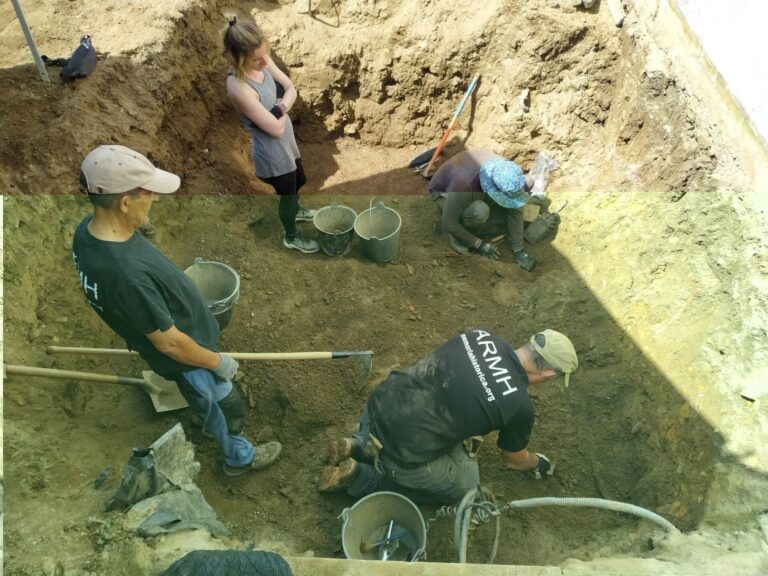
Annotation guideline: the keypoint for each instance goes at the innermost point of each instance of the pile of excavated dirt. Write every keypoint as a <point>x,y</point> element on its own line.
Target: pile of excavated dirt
<point>658,272</point>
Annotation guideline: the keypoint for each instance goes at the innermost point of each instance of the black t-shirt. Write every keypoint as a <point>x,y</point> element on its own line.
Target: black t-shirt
<point>471,385</point>
<point>136,290</point>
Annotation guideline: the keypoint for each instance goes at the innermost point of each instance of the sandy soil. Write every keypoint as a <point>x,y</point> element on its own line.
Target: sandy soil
<point>635,275</point>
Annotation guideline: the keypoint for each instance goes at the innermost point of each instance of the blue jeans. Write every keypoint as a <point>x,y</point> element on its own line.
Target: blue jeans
<point>236,449</point>
<point>444,480</point>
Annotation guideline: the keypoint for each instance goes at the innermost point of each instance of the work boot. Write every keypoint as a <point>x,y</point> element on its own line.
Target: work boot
<point>305,215</point>
<point>301,243</point>
<point>340,449</point>
<point>457,246</point>
<point>524,259</point>
<point>265,455</point>
<point>337,478</point>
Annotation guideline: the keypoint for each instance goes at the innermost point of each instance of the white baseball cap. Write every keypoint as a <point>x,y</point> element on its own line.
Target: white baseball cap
<point>114,169</point>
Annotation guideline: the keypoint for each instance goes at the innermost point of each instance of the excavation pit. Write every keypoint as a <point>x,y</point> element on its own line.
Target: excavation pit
<point>652,273</point>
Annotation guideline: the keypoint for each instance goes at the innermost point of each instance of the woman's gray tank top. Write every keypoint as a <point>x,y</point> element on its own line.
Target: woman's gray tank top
<point>271,156</point>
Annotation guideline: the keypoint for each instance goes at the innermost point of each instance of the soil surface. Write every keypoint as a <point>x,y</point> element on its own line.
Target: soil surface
<point>656,248</point>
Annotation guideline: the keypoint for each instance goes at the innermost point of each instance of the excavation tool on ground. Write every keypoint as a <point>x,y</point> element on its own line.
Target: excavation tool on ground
<point>420,163</point>
<point>164,393</point>
<point>363,360</point>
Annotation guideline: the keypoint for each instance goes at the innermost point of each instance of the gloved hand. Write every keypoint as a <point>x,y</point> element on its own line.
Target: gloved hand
<point>276,111</point>
<point>487,249</point>
<point>279,110</point>
<point>227,367</point>
<point>544,469</point>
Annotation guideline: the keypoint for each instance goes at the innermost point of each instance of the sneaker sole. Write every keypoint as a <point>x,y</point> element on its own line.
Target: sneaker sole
<point>303,219</point>
<point>294,247</point>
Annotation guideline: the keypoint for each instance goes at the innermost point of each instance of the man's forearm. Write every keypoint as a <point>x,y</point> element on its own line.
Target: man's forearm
<point>185,350</point>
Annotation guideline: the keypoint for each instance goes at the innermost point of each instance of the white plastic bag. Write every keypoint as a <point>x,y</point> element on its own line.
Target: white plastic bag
<point>542,166</point>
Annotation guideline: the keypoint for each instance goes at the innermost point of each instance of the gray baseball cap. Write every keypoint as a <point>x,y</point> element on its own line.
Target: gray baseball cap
<point>115,169</point>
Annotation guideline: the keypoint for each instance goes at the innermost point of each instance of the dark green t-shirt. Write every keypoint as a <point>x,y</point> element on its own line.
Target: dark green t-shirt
<point>471,385</point>
<point>136,290</point>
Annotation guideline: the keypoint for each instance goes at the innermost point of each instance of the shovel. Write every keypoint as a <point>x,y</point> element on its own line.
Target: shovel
<point>164,394</point>
<point>425,169</point>
<point>364,360</point>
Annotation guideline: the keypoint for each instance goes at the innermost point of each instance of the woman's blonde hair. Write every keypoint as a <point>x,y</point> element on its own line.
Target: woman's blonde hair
<point>240,38</point>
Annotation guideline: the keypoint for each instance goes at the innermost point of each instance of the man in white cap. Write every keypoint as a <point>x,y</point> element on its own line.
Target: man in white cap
<point>413,430</point>
<point>472,185</point>
<point>152,304</point>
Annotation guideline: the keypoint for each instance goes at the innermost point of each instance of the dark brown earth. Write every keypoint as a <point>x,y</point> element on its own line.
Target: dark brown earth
<point>652,274</point>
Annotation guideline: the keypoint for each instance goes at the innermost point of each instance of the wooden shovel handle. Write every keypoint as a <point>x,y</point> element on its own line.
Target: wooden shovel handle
<point>235,355</point>
<point>72,375</point>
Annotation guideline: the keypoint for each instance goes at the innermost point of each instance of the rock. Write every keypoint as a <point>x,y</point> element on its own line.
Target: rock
<point>617,12</point>
<point>525,100</point>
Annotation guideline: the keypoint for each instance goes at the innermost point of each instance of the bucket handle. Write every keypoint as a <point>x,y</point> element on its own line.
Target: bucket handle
<point>344,514</point>
<point>370,214</point>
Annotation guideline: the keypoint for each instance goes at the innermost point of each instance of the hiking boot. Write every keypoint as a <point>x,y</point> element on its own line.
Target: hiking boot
<point>305,215</point>
<point>525,260</point>
<point>457,246</point>
<point>265,455</point>
<point>337,478</point>
<point>340,449</point>
<point>301,243</point>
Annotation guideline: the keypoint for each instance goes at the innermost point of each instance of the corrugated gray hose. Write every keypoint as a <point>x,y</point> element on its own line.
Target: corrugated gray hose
<point>486,508</point>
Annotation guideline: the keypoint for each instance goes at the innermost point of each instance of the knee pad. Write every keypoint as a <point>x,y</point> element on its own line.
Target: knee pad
<point>235,411</point>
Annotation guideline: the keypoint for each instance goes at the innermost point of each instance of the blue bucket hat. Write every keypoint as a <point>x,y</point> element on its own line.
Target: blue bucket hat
<point>504,182</point>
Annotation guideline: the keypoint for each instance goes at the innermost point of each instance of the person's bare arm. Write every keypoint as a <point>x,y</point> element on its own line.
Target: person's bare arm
<point>246,101</point>
<point>521,460</point>
<point>177,345</point>
<point>290,94</point>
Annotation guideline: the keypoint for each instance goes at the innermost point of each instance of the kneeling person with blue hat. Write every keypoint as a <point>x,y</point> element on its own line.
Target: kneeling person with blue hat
<point>471,185</point>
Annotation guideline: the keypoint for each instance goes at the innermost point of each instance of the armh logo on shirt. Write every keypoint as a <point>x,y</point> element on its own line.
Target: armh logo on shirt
<point>490,361</point>
<point>91,290</point>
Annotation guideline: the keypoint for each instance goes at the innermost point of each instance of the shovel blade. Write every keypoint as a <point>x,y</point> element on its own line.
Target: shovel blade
<point>164,393</point>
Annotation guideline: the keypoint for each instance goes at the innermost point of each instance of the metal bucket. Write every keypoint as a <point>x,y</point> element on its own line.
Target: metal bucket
<point>365,524</point>
<point>334,224</point>
<point>379,229</point>
<point>220,286</point>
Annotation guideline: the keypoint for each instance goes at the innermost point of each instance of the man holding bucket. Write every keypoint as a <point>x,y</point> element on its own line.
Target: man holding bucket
<point>152,304</point>
<point>423,425</point>
<point>472,186</point>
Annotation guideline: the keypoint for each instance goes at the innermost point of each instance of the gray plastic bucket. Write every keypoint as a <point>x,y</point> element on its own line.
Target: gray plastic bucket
<point>334,224</point>
<point>220,286</point>
<point>366,524</point>
<point>379,229</point>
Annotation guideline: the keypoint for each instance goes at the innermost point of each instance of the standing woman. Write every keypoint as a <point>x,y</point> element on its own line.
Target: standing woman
<point>252,88</point>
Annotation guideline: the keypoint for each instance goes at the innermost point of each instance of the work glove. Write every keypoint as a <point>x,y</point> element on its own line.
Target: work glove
<point>278,110</point>
<point>472,445</point>
<point>487,250</point>
<point>227,367</point>
<point>544,469</point>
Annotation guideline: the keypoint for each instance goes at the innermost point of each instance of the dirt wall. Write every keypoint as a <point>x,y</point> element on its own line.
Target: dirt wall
<point>658,272</point>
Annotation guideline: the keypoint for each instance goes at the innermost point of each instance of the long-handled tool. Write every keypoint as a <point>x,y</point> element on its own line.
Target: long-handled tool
<point>426,170</point>
<point>364,359</point>
<point>164,394</point>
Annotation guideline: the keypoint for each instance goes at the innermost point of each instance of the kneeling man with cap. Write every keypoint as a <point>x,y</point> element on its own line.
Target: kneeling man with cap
<point>469,188</point>
<point>412,433</point>
<point>150,303</point>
